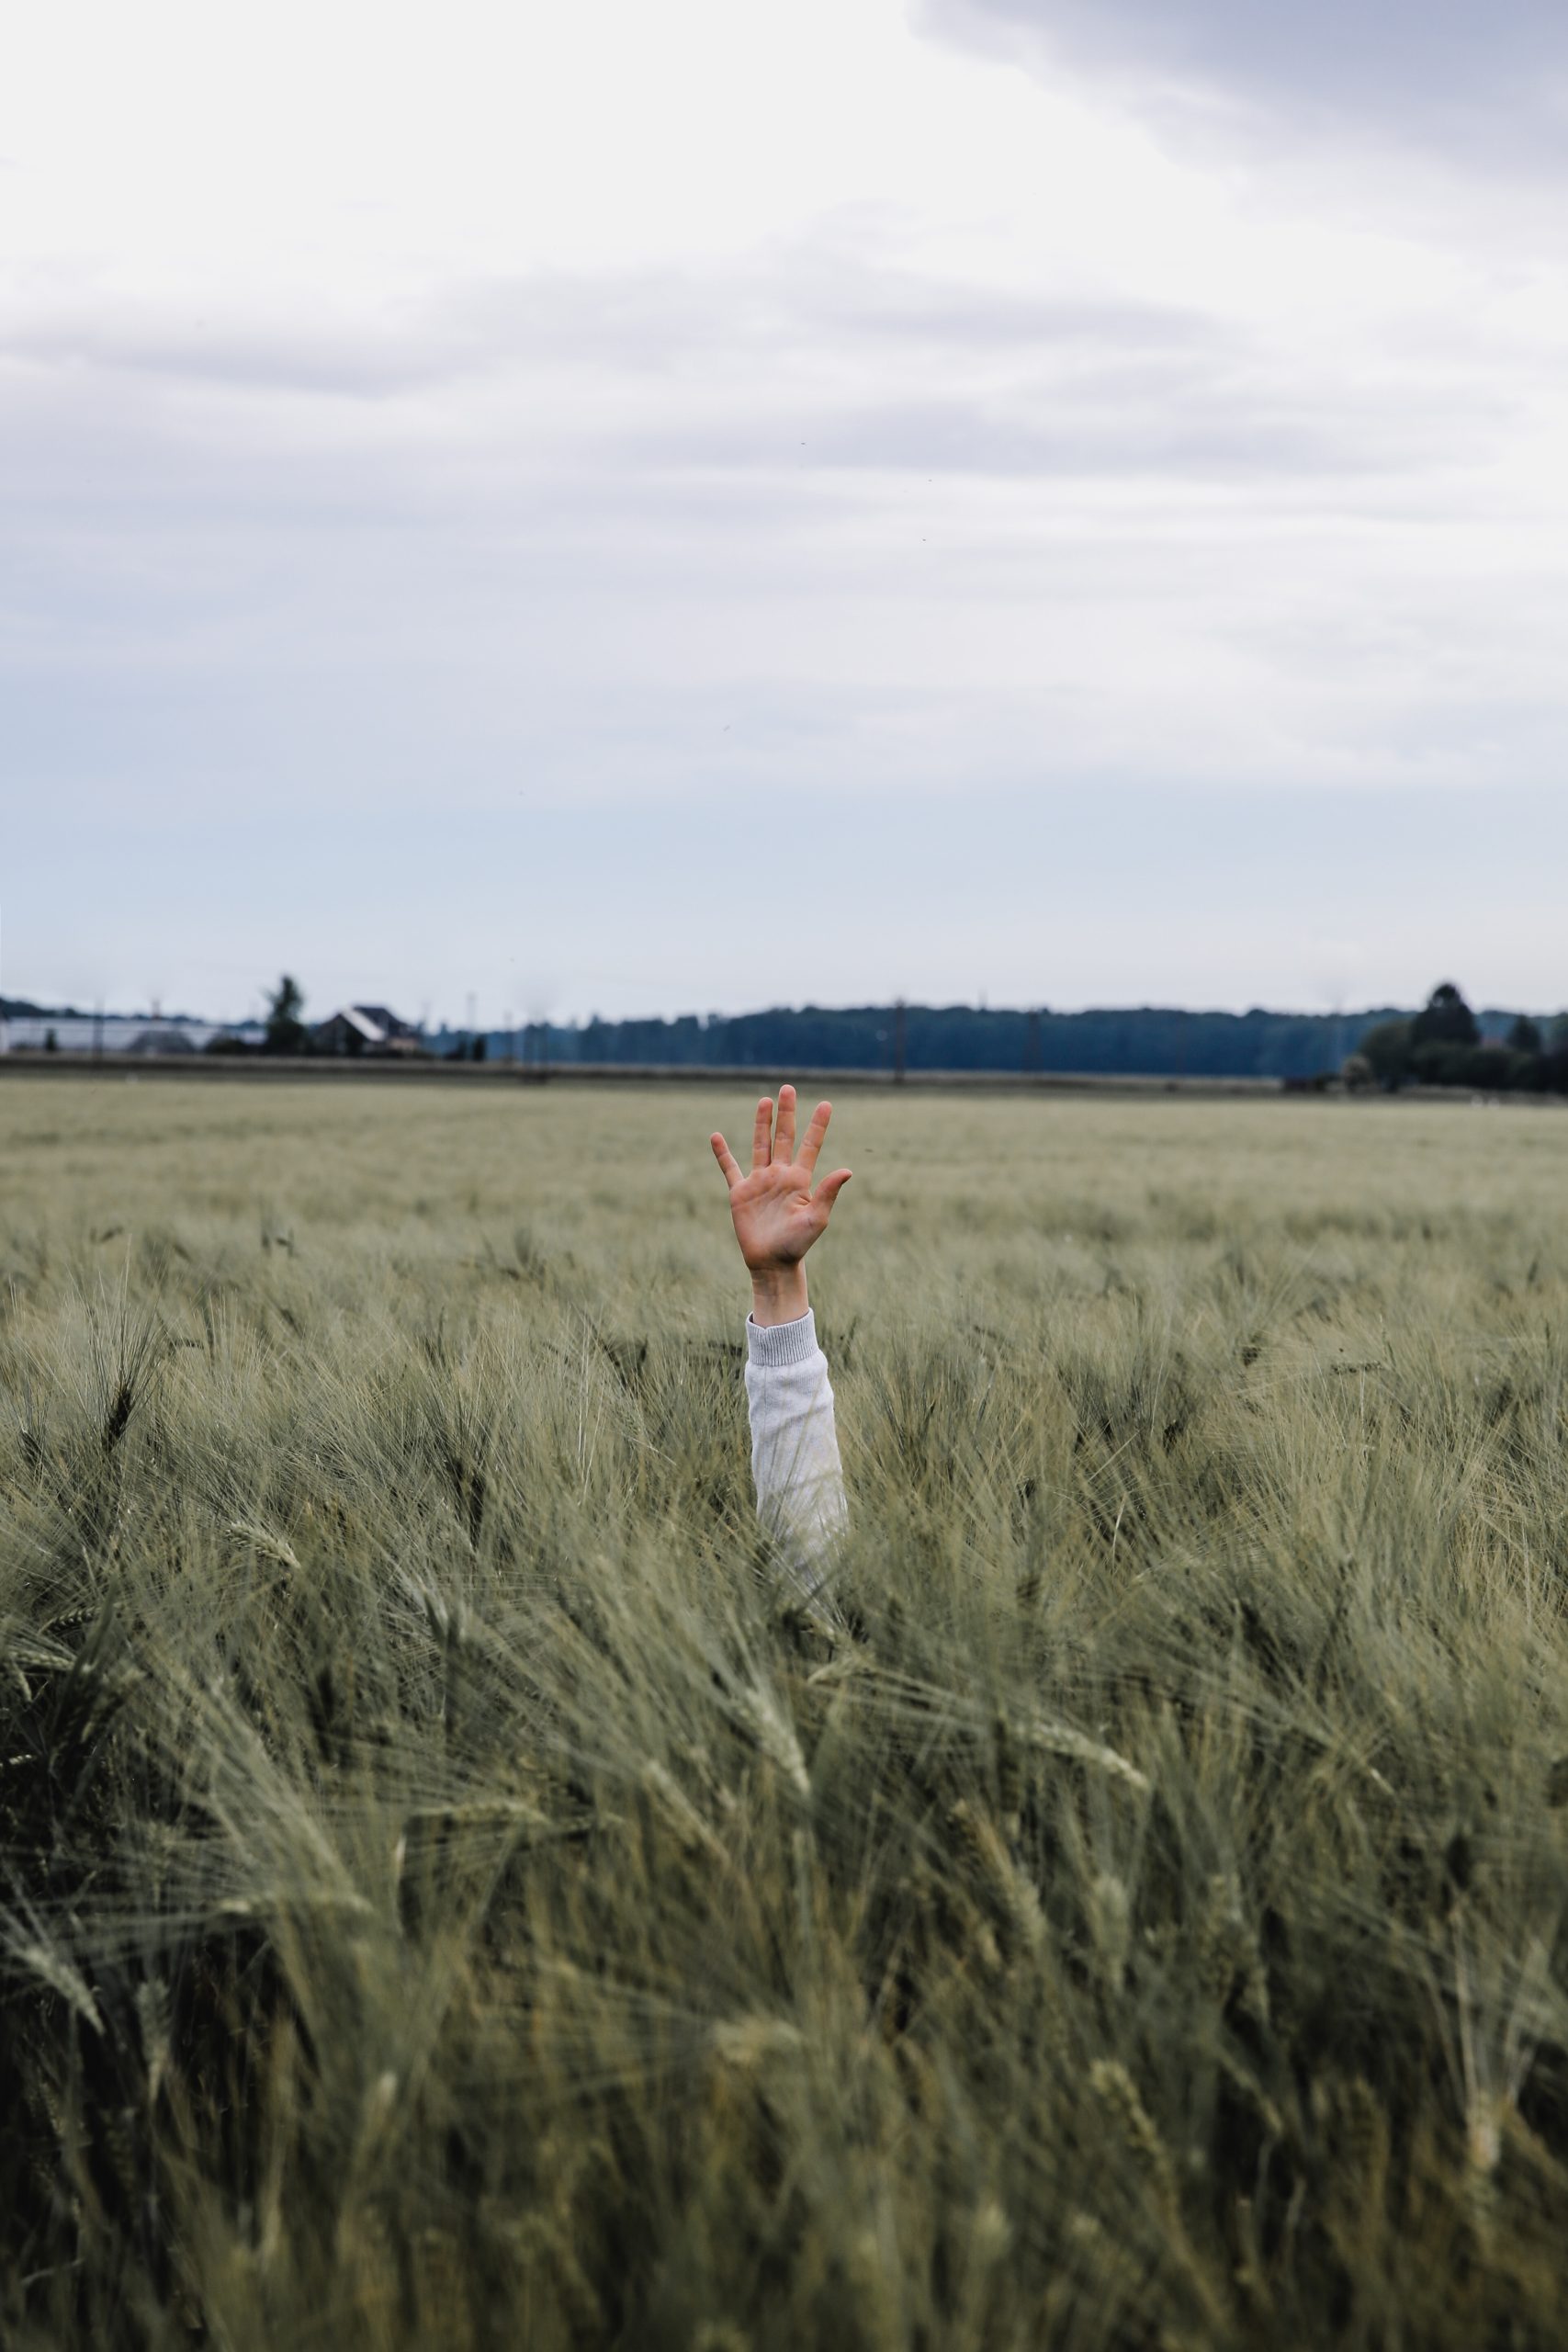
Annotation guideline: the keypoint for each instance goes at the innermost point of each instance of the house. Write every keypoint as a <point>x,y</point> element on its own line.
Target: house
<point>365,1029</point>
<point>163,1037</point>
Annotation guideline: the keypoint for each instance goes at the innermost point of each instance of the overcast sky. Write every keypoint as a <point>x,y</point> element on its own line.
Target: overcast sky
<point>637,509</point>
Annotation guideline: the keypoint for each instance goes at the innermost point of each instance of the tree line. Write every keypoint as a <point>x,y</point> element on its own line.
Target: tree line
<point>1444,1044</point>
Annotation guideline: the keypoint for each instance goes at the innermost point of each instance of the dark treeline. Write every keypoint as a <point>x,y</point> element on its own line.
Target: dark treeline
<point>1143,1041</point>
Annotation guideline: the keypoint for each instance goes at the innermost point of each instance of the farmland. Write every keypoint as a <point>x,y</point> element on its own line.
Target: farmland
<point>451,1897</point>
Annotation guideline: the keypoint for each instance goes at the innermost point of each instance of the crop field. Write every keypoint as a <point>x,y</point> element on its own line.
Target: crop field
<point>450,1896</point>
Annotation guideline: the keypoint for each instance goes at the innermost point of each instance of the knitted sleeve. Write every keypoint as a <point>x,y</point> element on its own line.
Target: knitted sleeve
<point>794,1445</point>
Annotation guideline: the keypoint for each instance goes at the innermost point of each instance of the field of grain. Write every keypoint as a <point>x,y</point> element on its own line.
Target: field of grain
<point>448,1897</point>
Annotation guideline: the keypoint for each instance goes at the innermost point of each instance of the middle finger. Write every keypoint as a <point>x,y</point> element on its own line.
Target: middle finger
<point>783,1135</point>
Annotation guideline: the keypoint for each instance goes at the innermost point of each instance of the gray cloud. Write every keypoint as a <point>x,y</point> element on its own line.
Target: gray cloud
<point>290,358</point>
<point>653,324</point>
<point>1489,79</point>
<point>710,377</point>
<point>1110,423</point>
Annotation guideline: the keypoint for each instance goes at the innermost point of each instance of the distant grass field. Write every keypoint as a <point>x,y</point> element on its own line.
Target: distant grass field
<point>446,1897</point>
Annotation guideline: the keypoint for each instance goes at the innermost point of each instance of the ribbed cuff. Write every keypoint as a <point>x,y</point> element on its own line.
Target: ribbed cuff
<point>773,1345</point>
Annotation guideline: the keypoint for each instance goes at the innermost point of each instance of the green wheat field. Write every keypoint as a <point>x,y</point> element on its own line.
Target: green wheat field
<point>448,1897</point>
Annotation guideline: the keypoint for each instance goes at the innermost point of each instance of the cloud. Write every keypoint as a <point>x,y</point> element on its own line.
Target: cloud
<point>615,536</point>
<point>656,321</point>
<point>1482,81</point>
<point>278,359</point>
<point>1110,423</point>
<point>633,381</point>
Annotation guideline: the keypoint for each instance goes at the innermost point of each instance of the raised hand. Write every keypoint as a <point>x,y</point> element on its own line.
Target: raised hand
<point>777,1216</point>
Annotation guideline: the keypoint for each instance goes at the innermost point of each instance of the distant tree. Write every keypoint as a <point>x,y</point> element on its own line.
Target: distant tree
<point>285,1030</point>
<point>1357,1073</point>
<point>1494,1068</point>
<point>1387,1048</point>
<point>1487,1069</point>
<point>1445,1020</point>
<point>50,1041</point>
<point>1525,1036</point>
<point>477,1049</point>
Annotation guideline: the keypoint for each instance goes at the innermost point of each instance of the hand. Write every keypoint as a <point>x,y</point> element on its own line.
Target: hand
<point>777,1216</point>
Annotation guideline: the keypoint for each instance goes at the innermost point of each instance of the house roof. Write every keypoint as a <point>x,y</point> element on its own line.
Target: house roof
<point>355,1016</point>
<point>375,1024</point>
<point>157,1039</point>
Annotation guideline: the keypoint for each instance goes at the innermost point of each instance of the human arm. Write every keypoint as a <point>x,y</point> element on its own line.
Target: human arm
<point>794,1447</point>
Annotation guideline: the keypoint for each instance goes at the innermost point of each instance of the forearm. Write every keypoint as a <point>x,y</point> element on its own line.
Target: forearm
<point>795,1443</point>
<point>779,1295</point>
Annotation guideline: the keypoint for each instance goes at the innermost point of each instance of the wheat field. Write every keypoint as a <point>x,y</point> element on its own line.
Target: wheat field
<point>451,1898</point>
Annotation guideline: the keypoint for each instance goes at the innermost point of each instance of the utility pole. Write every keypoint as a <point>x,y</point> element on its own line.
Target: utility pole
<point>900,1042</point>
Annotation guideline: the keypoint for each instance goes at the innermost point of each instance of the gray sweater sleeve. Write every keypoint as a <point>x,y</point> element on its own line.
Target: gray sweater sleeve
<point>794,1445</point>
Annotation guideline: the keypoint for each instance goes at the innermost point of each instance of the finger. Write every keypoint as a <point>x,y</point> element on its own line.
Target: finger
<point>814,1134</point>
<point>783,1135</point>
<point>761,1137</point>
<point>828,1192</point>
<point>730,1166</point>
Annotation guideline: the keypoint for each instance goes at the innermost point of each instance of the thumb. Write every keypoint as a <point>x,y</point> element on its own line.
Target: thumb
<point>831,1187</point>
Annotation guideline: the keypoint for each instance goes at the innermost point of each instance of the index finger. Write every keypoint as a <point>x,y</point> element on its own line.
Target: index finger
<point>762,1135</point>
<point>811,1142</point>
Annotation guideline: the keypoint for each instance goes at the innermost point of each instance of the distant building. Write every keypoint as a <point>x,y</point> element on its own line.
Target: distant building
<point>365,1029</point>
<point>112,1033</point>
<point>161,1037</point>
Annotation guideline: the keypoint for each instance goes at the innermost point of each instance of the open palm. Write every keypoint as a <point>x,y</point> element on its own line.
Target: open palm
<point>777,1216</point>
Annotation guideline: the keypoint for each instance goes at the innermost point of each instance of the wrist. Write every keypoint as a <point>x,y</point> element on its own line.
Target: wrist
<point>778,1294</point>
